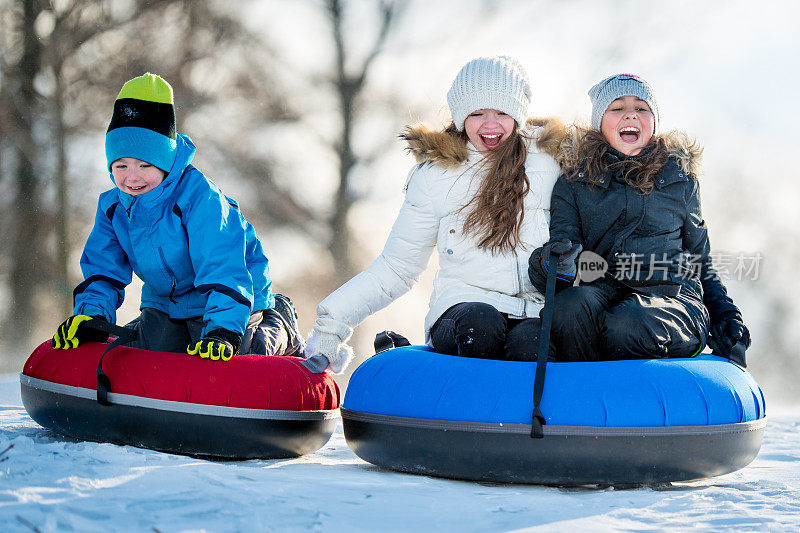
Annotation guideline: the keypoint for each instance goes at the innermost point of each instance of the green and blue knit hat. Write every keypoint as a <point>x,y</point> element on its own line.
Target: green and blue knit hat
<point>143,123</point>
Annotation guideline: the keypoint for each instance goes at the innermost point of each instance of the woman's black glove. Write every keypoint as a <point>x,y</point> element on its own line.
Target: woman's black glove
<point>729,338</point>
<point>564,253</point>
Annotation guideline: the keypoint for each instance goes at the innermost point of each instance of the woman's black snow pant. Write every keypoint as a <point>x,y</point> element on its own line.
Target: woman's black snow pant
<point>475,329</point>
<point>605,321</point>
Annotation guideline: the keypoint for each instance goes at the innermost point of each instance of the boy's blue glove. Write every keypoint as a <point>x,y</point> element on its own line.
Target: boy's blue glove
<point>217,345</point>
<point>564,253</point>
<point>730,338</point>
<point>72,332</point>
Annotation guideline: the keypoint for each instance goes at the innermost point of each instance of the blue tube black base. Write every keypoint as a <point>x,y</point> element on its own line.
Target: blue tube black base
<point>565,456</point>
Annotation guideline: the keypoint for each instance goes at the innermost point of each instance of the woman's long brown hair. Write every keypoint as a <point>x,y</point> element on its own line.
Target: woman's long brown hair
<point>498,205</point>
<point>639,172</point>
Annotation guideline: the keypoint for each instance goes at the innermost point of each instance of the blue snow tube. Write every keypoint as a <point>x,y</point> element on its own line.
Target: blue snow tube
<point>613,422</point>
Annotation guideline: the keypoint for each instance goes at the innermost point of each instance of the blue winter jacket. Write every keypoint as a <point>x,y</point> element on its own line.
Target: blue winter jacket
<point>188,243</point>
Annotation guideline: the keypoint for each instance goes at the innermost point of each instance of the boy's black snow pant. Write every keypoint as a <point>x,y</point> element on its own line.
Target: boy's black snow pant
<point>267,333</point>
<point>605,321</point>
<point>476,329</point>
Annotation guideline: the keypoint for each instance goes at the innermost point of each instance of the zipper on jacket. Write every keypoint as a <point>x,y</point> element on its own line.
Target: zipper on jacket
<point>128,210</point>
<point>171,275</point>
<point>171,292</point>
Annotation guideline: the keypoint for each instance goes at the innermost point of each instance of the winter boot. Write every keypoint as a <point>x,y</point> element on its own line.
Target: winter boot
<point>287,312</point>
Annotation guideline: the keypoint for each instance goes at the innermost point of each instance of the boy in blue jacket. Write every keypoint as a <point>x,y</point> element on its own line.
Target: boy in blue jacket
<point>207,288</point>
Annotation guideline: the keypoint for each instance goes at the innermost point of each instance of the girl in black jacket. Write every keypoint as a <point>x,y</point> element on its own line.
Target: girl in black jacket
<point>631,196</point>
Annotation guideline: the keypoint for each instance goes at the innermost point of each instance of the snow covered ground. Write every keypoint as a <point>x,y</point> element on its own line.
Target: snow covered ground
<point>49,483</point>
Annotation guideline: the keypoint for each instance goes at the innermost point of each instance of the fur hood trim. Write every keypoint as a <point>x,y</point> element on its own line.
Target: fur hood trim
<point>685,149</point>
<point>445,150</point>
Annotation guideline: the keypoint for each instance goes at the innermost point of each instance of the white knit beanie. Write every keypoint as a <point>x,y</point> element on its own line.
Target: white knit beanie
<point>617,86</point>
<point>490,83</point>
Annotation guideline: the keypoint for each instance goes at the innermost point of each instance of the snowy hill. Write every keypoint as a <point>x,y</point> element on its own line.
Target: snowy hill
<point>50,483</point>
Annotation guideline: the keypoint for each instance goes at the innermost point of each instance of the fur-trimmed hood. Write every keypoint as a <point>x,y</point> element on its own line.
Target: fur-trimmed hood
<point>448,151</point>
<point>683,148</point>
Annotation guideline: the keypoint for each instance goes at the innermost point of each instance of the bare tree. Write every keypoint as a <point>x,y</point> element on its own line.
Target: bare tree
<point>348,85</point>
<point>23,106</point>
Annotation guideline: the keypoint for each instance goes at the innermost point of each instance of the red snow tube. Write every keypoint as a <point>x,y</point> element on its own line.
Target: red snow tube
<point>252,406</point>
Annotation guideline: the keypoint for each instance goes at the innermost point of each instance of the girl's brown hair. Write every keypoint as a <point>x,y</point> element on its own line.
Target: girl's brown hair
<point>639,172</point>
<point>497,207</point>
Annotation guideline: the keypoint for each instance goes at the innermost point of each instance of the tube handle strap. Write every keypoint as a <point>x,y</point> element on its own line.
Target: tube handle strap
<point>123,336</point>
<point>537,418</point>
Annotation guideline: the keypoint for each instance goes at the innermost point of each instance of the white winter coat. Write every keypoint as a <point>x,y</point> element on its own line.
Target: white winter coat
<point>432,218</point>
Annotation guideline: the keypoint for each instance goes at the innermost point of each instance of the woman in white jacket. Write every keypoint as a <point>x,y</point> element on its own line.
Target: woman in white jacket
<point>480,196</point>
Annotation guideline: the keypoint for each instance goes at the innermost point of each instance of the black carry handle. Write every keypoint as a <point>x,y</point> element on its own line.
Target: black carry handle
<point>124,336</point>
<point>538,421</point>
<point>386,340</point>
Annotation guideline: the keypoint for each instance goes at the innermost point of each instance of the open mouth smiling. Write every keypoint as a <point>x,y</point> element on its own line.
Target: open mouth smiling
<point>629,134</point>
<point>491,140</point>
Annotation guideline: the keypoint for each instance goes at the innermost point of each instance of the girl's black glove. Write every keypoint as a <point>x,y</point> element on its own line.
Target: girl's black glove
<point>730,338</point>
<point>564,254</point>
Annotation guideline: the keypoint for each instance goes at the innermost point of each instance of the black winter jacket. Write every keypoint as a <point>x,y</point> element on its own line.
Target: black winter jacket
<point>654,243</point>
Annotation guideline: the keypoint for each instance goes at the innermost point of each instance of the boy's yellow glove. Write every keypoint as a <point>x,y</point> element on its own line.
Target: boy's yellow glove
<point>217,345</point>
<point>70,333</point>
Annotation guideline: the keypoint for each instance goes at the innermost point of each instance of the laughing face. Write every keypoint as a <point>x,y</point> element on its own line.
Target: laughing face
<point>488,128</point>
<point>628,124</point>
<point>135,176</point>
